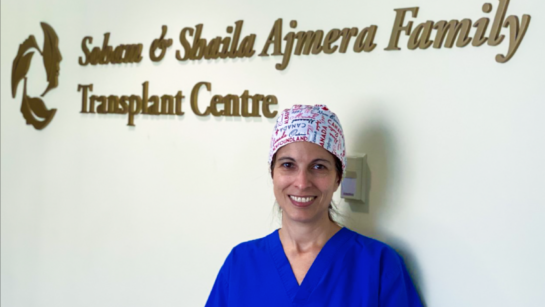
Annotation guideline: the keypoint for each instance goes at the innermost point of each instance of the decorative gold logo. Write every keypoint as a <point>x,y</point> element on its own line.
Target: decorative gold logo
<point>34,109</point>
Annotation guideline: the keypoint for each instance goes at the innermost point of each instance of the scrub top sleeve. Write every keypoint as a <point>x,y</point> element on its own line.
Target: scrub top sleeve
<point>219,295</point>
<point>396,288</point>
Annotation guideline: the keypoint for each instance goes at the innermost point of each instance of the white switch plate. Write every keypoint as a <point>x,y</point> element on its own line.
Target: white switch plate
<point>353,184</point>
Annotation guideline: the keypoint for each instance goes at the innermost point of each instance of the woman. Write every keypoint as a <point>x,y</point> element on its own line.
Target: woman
<point>311,260</point>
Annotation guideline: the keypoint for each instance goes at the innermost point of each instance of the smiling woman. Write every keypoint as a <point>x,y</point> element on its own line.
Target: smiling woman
<point>305,168</point>
<point>311,260</point>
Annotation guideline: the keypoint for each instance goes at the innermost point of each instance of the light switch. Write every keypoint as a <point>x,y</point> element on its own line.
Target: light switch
<point>348,187</point>
<point>353,184</point>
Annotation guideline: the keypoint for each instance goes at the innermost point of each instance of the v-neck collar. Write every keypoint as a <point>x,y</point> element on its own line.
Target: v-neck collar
<point>318,270</point>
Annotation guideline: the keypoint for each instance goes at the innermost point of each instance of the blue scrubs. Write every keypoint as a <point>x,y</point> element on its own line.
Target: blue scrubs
<point>350,270</point>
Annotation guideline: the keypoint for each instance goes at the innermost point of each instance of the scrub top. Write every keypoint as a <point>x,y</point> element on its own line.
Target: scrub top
<point>350,270</point>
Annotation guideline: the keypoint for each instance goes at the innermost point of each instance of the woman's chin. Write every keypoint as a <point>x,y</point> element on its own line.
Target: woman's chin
<point>301,216</point>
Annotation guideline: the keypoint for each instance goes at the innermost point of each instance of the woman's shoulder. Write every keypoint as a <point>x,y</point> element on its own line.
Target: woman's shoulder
<point>367,251</point>
<point>366,242</point>
<point>255,246</point>
<point>372,248</point>
<point>371,256</point>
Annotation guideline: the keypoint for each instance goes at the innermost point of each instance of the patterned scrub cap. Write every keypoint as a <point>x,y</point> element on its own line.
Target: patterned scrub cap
<point>313,124</point>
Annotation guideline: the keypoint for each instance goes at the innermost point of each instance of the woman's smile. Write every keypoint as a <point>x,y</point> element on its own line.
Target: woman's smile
<point>302,201</point>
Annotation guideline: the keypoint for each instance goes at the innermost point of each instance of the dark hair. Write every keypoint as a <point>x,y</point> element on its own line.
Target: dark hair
<point>338,169</point>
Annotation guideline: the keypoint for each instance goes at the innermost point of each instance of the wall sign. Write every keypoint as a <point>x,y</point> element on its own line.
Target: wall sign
<point>193,46</point>
<point>34,110</point>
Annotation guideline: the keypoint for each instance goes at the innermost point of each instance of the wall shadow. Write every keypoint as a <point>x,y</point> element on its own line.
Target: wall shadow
<point>375,140</point>
<point>378,143</point>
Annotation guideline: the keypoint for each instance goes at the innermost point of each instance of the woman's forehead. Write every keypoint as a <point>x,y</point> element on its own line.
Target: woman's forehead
<point>304,151</point>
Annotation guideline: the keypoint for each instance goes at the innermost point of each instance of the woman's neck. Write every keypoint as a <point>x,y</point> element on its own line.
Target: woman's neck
<point>302,237</point>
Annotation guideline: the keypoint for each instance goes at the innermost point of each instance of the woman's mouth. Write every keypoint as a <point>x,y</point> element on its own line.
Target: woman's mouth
<point>302,201</point>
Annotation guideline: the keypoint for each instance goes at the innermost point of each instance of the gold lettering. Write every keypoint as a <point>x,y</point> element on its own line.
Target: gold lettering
<point>213,48</point>
<point>255,105</point>
<point>481,25</point>
<point>224,53</point>
<point>346,34</point>
<point>232,105</point>
<point>108,55</point>
<point>217,99</point>
<point>154,108</point>
<point>244,101</point>
<point>167,105</point>
<point>246,47</point>
<point>331,37</point>
<point>179,98</point>
<point>124,104</point>
<point>236,37</point>
<point>289,46</point>
<point>113,102</point>
<point>135,106</point>
<point>145,99</point>
<point>454,29</point>
<point>86,89</point>
<point>185,44</point>
<point>495,37</point>
<point>133,53</point>
<point>86,39</point>
<point>195,98</point>
<point>420,37</point>
<point>365,40</point>
<point>516,36</point>
<point>398,26</point>
<point>269,100</point>
<point>275,37</point>
<point>118,54</point>
<point>103,57</point>
<point>160,43</point>
<point>199,44</point>
<point>308,40</point>
<point>92,104</point>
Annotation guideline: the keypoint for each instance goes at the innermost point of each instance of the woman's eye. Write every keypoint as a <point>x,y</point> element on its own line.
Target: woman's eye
<point>319,166</point>
<point>287,164</point>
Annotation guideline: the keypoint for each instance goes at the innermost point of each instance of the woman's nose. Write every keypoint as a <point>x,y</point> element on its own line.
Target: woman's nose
<point>302,181</point>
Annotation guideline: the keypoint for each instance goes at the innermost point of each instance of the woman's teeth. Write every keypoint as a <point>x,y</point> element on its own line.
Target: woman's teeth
<point>302,199</point>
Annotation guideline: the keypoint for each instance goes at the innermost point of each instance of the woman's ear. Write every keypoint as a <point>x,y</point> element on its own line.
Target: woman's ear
<point>338,180</point>
<point>272,165</point>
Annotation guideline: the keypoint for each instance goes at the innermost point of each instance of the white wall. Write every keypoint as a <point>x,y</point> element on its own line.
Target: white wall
<point>96,213</point>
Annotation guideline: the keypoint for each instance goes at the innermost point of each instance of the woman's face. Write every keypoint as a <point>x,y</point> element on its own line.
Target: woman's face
<point>304,179</point>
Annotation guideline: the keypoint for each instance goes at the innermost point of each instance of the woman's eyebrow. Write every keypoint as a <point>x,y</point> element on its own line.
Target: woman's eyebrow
<point>321,160</point>
<point>313,161</point>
